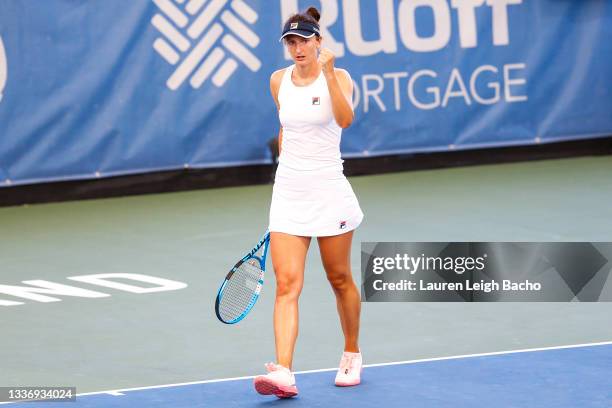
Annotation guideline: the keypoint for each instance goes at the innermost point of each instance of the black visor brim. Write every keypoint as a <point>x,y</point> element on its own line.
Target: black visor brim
<point>301,33</point>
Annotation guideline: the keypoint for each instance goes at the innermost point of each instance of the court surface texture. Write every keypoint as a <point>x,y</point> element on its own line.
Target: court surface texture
<point>166,349</point>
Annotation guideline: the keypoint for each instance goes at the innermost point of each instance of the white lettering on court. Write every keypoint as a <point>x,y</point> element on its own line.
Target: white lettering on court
<point>105,279</point>
<point>44,291</point>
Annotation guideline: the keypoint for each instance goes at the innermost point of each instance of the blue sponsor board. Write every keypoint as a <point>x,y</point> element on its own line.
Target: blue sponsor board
<point>93,89</point>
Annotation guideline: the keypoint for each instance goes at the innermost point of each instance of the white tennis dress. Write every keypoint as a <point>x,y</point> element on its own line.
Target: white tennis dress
<point>311,195</point>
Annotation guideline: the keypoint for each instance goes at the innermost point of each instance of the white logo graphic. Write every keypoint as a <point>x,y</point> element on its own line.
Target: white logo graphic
<point>3,68</point>
<point>189,34</point>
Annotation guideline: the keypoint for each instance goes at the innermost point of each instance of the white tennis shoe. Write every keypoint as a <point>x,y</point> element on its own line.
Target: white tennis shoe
<point>350,369</point>
<point>279,381</point>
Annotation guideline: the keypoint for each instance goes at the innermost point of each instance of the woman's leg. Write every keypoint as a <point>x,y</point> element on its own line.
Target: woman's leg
<point>336,257</point>
<point>288,258</point>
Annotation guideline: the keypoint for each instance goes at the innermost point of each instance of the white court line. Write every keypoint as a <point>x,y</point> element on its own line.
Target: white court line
<point>424,360</point>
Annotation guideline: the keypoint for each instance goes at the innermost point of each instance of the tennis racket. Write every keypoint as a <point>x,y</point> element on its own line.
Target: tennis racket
<point>242,285</point>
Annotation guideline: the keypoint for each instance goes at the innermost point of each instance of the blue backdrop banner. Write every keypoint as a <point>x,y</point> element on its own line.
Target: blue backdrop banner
<point>97,88</point>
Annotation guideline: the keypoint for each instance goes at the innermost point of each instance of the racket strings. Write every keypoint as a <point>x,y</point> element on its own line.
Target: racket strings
<point>240,290</point>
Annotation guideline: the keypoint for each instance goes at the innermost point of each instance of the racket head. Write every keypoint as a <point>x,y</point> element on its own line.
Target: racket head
<point>242,285</point>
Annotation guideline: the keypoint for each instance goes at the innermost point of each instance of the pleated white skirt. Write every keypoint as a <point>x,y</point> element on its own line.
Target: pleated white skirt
<point>313,203</point>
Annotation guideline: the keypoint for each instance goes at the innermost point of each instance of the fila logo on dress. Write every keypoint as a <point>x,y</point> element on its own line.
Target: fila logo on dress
<point>316,100</point>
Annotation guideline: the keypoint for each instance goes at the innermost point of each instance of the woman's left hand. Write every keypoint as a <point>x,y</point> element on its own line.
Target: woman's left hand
<point>326,60</point>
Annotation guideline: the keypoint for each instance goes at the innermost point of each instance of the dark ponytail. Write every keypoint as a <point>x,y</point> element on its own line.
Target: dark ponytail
<point>311,15</point>
<point>314,13</point>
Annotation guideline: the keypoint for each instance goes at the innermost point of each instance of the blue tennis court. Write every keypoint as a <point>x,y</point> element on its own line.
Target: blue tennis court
<point>563,377</point>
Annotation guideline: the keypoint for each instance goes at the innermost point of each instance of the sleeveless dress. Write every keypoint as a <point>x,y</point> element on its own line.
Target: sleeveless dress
<point>311,196</point>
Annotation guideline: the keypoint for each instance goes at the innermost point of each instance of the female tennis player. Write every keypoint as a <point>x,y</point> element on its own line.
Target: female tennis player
<point>311,198</point>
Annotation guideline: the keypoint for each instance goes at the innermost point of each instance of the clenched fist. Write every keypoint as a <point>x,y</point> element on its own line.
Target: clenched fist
<point>326,60</point>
